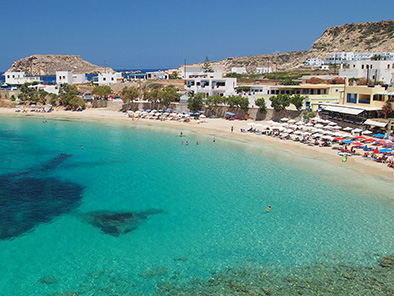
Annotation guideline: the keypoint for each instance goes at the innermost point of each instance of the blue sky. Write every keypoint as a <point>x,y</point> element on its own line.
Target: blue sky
<point>161,34</point>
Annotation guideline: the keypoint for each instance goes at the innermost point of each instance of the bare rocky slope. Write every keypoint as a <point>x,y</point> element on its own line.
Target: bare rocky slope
<point>49,64</point>
<point>362,37</point>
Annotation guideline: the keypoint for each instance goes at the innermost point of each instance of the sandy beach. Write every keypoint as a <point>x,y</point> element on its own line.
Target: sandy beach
<point>221,128</point>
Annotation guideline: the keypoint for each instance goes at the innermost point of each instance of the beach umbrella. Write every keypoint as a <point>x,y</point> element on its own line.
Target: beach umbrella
<point>293,126</point>
<point>347,128</point>
<point>332,123</point>
<point>357,144</point>
<point>300,123</point>
<point>389,145</point>
<point>291,121</point>
<point>366,148</point>
<point>385,150</point>
<point>378,136</point>
<point>360,137</point>
<point>337,127</point>
<point>309,124</point>
<point>367,132</point>
<point>339,139</point>
<point>319,125</point>
<point>298,133</point>
<point>357,130</point>
<point>284,119</point>
<point>376,150</point>
<point>379,143</point>
<point>347,142</point>
<point>344,153</point>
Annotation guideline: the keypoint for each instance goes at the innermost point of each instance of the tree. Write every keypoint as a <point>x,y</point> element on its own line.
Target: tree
<point>174,75</point>
<point>169,94</point>
<point>262,106</point>
<point>280,102</point>
<point>387,110</point>
<point>196,102</point>
<point>66,93</point>
<point>207,66</point>
<point>76,102</point>
<point>102,91</point>
<point>128,94</point>
<point>53,99</point>
<point>298,101</point>
<point>153,95</point>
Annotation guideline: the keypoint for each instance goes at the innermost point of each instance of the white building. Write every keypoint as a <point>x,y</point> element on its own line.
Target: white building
<point>239,70</point>
<point>375,70</point>
<point>388,56</point>
<point>70,78</point>
<point>340,57</point>
<point>108,78</point>
<point>64,77</point>
<point>263,70</point>
<point>210,83</point>
<point>157,75</point>
<point>19,78</point>
<point>314,62</point>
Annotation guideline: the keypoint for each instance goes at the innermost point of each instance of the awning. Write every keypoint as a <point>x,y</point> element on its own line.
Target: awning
<point>375,123</point>
<point>343,110</point>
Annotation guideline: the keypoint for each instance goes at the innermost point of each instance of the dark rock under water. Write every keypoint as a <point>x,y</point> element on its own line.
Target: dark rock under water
<point>27,200</point>
<point>117,223</point>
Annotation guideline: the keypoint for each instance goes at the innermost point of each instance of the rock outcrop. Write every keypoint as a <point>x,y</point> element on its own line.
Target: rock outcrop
<point>49,64</point>
<point>362,37</point>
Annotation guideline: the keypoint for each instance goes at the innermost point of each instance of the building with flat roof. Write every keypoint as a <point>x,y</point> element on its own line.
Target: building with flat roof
<point>19,78</point>
<point>210,83</point>
<point>373,70</point>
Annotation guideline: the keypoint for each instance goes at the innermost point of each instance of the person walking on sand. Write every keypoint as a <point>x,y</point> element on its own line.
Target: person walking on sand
<point>232,128</point>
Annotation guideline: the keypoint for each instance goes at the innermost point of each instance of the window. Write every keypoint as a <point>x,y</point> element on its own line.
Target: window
<point>112,78</point>
<point>378,98</point>
<point>388,66</point>
<point>351,98</point>
<point>362,66</point>
<point>8,76</point>
<point>104,79</point>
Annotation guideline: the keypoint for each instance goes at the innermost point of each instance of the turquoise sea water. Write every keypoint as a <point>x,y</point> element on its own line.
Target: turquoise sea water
<point>213,199</point>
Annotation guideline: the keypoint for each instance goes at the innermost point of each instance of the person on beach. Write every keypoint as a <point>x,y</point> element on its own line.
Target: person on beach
<point>232,128</point>
<point>214,140</point>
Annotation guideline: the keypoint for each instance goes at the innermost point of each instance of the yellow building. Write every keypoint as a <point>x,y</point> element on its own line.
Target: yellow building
<point>367,96</point>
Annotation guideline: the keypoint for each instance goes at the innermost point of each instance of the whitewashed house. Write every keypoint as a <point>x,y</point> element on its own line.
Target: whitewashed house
<point>19,78</point>
<point>108,78</point>
<point>70,78</point>
<point>64,77</point>
<point>375,70</point>
<point>239,70</point>
<point>210,83</point>
<point>157,75</point>
<point>263,70</point>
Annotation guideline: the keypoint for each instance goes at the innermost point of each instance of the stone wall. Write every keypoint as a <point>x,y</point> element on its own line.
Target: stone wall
<point>220,112</point>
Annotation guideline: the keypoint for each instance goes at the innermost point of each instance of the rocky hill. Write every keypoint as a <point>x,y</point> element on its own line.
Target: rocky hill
<point>49,64</point>
<point>362,37</point>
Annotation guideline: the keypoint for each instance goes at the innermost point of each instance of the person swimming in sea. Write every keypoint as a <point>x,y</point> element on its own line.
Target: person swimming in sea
<point>268,209</point>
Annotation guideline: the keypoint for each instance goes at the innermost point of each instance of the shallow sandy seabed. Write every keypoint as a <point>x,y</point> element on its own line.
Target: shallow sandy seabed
<point>221,129</point>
